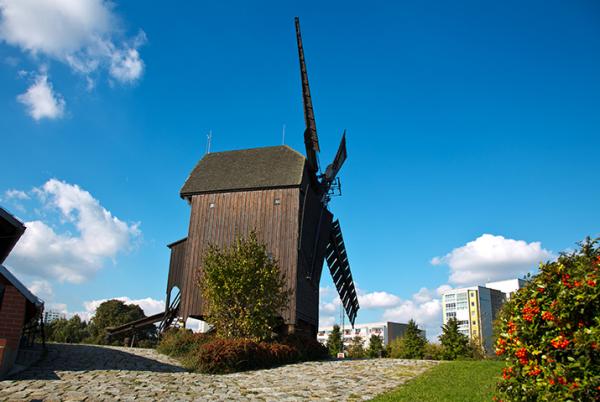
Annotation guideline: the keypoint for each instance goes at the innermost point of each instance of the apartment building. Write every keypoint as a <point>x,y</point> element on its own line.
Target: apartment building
<point>508,287</point>
<point>51,315</point>
<point>475,308</point>
<point>387,331</point>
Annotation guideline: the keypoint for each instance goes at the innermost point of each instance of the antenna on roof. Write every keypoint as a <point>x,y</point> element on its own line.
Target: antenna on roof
<point>283,135</point>
<point>208,139</point>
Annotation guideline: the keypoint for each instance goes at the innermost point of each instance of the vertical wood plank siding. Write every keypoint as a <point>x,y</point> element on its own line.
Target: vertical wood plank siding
<point>235,214</point>
<point>177,265</point>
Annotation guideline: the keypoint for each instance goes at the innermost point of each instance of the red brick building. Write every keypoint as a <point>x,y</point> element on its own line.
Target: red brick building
<point>18,306</point>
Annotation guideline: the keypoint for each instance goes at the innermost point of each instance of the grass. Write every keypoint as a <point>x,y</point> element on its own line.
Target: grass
<point>464,381</point>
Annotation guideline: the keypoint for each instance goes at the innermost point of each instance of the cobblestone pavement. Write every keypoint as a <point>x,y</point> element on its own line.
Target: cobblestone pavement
<point>84,372</point>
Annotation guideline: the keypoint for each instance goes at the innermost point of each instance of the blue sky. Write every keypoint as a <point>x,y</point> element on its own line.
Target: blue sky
<point>463,119</point>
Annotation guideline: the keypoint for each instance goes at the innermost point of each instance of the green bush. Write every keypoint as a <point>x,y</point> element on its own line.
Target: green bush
<point>550,332</point>
<point>179,342</point>
<point>356,349</point>
<point>308,349</point>
<point>433,351</point>
<point>208,354</point>
<point>221,356</point>
<point>243,289</point>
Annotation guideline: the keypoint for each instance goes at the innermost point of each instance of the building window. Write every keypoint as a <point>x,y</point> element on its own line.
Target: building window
<point>473,304</point>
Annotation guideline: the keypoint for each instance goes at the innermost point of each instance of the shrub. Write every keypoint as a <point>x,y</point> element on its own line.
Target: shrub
<point>179,342</point>
<point>397,348</point>
<point>550,332</point>
<point>356,349</point>
<point>308,348</point>
<point>244,289</point>
<point>221,356</point>
<point>208,354</point>
<point>433,351</point>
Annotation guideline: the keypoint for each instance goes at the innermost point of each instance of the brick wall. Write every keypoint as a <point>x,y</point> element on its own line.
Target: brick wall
<point>12,316</point>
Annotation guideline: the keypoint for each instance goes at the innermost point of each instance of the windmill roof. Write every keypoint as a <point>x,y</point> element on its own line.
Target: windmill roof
<point>247,169</point>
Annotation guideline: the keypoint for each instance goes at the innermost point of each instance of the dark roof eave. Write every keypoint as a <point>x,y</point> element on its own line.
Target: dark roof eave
<point>237,190</point>
<point>177,242</point>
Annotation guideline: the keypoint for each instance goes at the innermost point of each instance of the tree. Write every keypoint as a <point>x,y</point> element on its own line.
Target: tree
<point>414,342</point>
<point>356,349</point>
<point>73,330</point>
<point>334,341</point>
<point>550,332</point>
<point>112,313</point>
<point>243,289</point>
<point>453,342</point>
<point>375,348</point>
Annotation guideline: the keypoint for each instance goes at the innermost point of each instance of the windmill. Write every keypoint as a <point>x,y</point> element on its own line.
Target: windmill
<point>326,184</point>
<point>284,197</point>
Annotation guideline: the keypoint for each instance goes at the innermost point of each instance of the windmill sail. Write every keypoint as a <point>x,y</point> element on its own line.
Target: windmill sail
<point>311,140</point>
<point>340,157</point>
<point>337,260</point>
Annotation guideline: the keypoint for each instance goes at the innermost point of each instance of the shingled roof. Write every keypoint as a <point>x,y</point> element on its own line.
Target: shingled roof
<point>247,169</point>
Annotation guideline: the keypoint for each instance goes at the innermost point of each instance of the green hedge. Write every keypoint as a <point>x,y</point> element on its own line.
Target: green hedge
<point>208,354</point>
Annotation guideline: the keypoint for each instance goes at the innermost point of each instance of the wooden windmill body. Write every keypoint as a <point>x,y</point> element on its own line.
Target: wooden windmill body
<point>281,195</point>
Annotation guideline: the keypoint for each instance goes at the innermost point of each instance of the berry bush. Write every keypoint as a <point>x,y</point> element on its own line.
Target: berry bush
<point>549,332</point>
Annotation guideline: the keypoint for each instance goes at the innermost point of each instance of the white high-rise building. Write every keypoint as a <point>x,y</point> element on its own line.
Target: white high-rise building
<point>508,287</point>
<point>475,308</point>
<point>52,315</point>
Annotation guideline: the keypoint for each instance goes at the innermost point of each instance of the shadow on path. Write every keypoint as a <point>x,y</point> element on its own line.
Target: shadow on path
<point>69,357</point>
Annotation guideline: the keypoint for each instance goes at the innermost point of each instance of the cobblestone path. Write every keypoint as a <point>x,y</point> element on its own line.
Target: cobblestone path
<point>94,373</point>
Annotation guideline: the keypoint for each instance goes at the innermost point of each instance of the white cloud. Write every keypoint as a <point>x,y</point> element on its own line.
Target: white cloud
<point>423,308</point>
<point>442,289</point>
<point>45,253</point>
<point>329,307</point>
<point>16,194</point>
<point>490,258</point>
<point>42,289</point>
<point>149,305</point>
<point>326,321</point>
<point>59,307</point>
<point>377,300</point>
<point>84,34</point>
<point>41,101</point>
<point>126,66</point>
